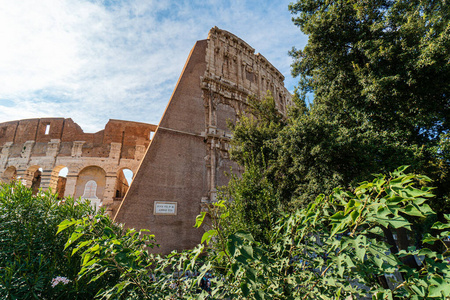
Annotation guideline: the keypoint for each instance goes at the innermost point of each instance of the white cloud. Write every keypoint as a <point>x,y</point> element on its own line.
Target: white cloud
<point>96,60</point>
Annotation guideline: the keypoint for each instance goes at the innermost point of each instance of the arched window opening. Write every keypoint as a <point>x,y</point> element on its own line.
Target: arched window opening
<point>63,173</point>
<point>36,181</point>
<point>128,175</point>
<point>90,193</point>
<point>123,182</point>
<point>58,181</point>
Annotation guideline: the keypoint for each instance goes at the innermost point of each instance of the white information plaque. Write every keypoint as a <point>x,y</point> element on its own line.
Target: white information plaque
<point>165,208</point>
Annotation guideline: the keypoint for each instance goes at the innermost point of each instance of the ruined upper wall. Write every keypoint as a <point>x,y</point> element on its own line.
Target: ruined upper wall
<point>234,71</point>
<point>67,132</point>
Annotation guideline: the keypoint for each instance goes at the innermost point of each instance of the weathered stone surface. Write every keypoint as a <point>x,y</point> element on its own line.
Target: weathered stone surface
<point>51,144</point>
<point>188,156</point>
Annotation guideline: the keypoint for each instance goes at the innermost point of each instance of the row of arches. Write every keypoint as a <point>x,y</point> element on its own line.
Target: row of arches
<point>90,183</point>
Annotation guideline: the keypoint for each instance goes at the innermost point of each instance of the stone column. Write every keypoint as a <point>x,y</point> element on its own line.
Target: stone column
<point>5,154</point>
<point>26,151</point>
<point>109,193</point>
<point>114,152</point>
<point>71,184</point>
<point>140,152</point>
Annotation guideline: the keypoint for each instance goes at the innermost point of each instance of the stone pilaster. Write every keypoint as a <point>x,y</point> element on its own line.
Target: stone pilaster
<point>5,154</point>
<point>109,193</point>
<point>71,183</point>
<point>77,148</point>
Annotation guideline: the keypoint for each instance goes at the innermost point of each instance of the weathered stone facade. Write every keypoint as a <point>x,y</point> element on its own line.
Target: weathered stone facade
<point>188,156</point>
<point>36,150</point>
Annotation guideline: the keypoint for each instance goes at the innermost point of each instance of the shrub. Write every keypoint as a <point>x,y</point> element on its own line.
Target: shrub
<point>32,256</point>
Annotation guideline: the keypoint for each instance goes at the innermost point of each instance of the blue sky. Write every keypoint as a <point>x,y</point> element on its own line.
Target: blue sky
<point>97,60</point>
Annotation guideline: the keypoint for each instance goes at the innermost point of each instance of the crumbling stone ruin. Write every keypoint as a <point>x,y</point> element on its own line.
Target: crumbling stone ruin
<point>184,162</point>
<point>35,151</point>
<point>188,156</point>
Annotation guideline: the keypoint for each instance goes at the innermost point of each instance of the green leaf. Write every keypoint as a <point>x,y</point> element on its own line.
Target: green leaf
<point>360,247</point>
<point>247,251</point>
<point>399,222</point>
<point>245,235</point>
<point>354,215</point>
<point>338,216</point>
<point>244,289</point>
<point>440,226</point>
<point>411,210</point>
<point>75,236</point>
<point>199,219</point>
<point>207,236</point>
<point>81,245</point>
<point>65,224</point>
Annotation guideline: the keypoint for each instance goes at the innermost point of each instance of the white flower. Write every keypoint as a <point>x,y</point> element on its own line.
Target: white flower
<point>58,279</point>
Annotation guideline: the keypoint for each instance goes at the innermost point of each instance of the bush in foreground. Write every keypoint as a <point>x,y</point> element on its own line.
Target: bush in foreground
<point>33,262</point>
<point>335,248</point>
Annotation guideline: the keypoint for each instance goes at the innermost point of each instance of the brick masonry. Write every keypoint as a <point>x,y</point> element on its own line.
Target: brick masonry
<point>34,151</point>
<point>188,156</point>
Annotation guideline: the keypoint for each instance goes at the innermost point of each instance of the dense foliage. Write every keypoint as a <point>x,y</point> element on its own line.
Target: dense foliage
<point>334,248</point>
<point>379,73</point>
<point>31,255</point>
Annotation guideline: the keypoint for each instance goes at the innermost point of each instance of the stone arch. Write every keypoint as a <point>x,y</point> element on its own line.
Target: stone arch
<point>9,174</point>
<point>123,181</point>
<point>89,174</point>
<point>32,178</point>
<point>58,180</point>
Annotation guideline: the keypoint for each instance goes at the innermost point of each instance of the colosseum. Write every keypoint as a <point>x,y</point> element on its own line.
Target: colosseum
<point>178,171</point>
<point>55,153</point>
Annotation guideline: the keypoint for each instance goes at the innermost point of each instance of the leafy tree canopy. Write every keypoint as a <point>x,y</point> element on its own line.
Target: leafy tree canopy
<point>380,75</point>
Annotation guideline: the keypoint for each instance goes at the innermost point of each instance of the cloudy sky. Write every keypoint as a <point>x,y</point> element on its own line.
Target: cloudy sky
<point>110,59</point>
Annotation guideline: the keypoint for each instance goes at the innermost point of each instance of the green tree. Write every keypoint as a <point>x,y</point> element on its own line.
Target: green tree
<point>380,74</point>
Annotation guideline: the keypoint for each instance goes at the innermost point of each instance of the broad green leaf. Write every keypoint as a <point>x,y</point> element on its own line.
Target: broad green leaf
<point>247,251</point>
<point>245,235</point>
<point>199,219</point>
<point>360,247</point>
<point>440,226</point>
<point>75,236</point>
<point>399,222</point>
<point>81,245</point>
<point>207,236</point>
<point>244,289</point>
<point>64,224</point>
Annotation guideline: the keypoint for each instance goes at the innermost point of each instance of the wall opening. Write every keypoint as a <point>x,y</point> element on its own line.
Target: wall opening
<point>123,182</point>
<point>36,181</point>
<point>47,129</point>
<point>58,180</point>
<point>152,133</point>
